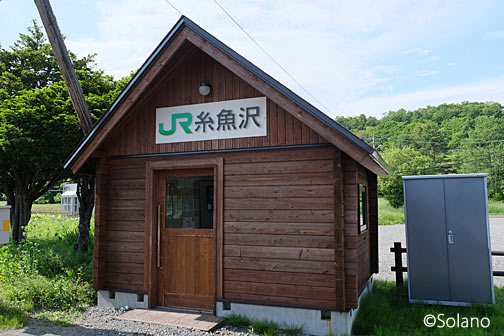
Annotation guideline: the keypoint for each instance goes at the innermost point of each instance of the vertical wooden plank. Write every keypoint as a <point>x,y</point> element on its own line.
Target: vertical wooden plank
<point>150,271</point>
<point>101,203</point>
<point>235,84</point>
<point>230,94</point>
<point>289,129</point>
<point>281,126</point>
<point>350,200</point>
<point>274,125</point>
<point>296,129</point>
<point>305,133</point>
<point>339,231</point>
<point>373,220</point>
<point>219,197</point>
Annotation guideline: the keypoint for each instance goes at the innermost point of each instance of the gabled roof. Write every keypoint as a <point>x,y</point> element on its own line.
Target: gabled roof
<point>372,162</point>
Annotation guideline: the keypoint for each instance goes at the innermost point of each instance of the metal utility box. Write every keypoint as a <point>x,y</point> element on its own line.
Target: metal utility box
<point>4,224</point>
<point>448,239</point>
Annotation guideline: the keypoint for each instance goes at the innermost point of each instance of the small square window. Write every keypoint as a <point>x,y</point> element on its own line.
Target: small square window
<point>363,213</point>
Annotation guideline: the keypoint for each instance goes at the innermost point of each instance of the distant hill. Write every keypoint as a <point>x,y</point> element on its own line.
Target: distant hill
<point>449,138</point>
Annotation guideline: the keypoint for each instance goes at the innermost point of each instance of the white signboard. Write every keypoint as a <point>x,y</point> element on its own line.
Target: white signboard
<point>210,121</point>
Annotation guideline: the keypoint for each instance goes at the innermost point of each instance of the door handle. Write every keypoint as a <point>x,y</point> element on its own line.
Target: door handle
<point>450,237</point>
<point>158,261</point>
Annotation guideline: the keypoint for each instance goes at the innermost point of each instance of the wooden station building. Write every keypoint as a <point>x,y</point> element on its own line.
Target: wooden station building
<point>219,189</point>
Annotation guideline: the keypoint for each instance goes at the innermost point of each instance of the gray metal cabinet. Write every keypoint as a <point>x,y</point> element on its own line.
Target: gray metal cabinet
<point>448,239</point>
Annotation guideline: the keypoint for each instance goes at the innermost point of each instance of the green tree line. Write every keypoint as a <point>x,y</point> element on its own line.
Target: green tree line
<point>446,139</point>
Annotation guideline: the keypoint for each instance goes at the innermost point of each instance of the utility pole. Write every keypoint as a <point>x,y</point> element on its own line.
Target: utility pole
<point>85,184</point>
<point>65,64</point>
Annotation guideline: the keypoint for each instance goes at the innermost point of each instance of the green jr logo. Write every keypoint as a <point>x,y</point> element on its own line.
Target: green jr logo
<point>184,124</point>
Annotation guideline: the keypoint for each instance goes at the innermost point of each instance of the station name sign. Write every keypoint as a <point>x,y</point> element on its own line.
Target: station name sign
<point>210,121</point>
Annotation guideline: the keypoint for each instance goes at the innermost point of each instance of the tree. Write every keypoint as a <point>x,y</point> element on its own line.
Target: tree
<point>38,128</point>
<point>402,161</point>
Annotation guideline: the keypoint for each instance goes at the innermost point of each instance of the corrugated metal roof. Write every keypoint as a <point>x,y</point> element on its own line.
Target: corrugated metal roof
<point>186,22</point>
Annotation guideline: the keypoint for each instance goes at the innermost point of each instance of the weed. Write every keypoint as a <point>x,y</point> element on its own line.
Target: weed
<point>238,321</point>
<point>265,326</point>
<point>293,330</point>
<point>387,311</point>
<point>43,276</point>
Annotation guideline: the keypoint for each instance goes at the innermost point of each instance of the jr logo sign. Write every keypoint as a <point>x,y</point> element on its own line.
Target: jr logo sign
<point>210,121</point>
<point>184,124</point>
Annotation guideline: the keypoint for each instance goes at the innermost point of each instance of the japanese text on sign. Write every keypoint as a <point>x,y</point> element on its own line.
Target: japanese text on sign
<point>210,121</point>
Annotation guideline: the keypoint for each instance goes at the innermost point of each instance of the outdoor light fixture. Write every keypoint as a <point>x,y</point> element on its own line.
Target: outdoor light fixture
<point>205,89</point>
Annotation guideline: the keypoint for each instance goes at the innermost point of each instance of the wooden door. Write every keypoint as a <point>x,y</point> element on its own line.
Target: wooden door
<point>186,227</point>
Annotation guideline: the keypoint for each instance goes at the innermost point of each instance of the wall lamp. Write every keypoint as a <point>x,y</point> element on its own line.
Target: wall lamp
<point>205,89</point>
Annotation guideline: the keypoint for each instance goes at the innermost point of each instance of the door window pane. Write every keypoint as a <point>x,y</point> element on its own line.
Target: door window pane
<point>189,202</point>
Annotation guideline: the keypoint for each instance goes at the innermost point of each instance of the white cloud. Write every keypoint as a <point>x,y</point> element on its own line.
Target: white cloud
<point>491,90</point>
<point>340,51</point>
<point>417,51</point>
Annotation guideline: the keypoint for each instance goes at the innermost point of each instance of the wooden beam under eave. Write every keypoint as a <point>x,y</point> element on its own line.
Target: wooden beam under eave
<point>140,88</point>
<point>334,137</point>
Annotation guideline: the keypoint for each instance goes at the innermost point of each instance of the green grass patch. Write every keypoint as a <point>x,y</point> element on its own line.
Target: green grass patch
<point>495,207</point>
<point>264,327</point>
<point>293,330</point>
<point>386,311</point>
<point>45,208</point>
<point>10,316</point>
<point>261,327</point>
<point>43,277</point>
<point>387,214</point>
<point>237,321</point>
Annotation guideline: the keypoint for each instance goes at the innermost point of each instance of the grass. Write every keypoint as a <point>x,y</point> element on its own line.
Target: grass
<point>261,327</point>
<point>43,277</point>
<point>42,208</point>
<point>386,311</point>
<point>388,215</point>
<point>293,330</point>
<point>495,207</point>
<point>237,321</point>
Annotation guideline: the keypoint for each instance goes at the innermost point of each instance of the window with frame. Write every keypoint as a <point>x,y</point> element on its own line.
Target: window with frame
<point>362,207</point>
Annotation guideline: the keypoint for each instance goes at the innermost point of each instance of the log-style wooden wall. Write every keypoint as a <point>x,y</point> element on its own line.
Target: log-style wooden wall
<point>290,216</point>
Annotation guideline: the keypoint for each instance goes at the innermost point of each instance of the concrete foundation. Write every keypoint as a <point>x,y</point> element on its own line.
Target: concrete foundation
<point>314,322</point>
<point>116,300</point>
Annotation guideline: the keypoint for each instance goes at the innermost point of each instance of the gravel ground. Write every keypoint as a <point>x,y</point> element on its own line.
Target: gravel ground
<point>388,234</point>
<point>97,321</point>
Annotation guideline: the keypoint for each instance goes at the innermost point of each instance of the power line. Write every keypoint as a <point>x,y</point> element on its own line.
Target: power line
<point>270,57</point>
<point>447,165</point>
<point>378,137</point>
<point>172,6</point>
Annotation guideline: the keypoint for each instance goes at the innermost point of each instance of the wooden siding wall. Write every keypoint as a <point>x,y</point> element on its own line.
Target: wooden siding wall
<point>350,220</point>
<point>279,244</point>
<point>279,227</point>
<point>136,135</point>
<point>357,246</point>
<point>100,227</point>
<point>364,248</point>
<point>373,219</point>
<point>125,225</point>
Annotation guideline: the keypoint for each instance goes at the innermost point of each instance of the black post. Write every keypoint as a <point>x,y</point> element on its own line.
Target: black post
<point>398,267</point>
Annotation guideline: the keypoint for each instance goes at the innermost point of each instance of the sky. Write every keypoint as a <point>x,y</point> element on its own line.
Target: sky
<point>353,57</point>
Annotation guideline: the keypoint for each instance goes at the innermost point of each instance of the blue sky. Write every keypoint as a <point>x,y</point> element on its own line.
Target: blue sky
<point>353,56</point>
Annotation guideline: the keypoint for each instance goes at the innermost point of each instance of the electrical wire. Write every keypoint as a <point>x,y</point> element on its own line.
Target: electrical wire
<point>269,56</point>
<point>173,6</point>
